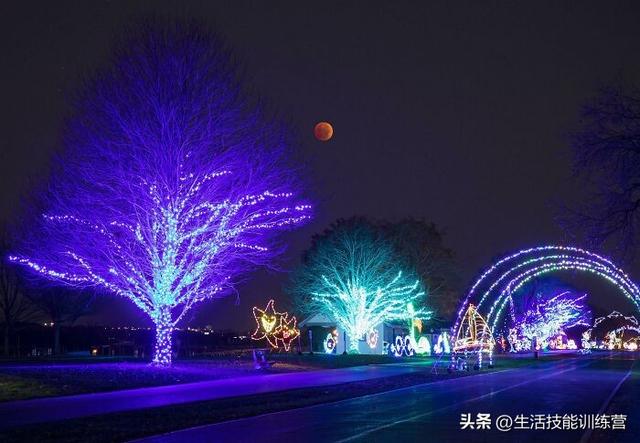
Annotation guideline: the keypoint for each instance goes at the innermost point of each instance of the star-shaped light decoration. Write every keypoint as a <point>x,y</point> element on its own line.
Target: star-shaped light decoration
<point>268,321</point>
<point>275,326</point>
<point>286,331</point>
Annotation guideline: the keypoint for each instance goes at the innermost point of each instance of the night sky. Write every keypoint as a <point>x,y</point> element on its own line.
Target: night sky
<point>453,112</point>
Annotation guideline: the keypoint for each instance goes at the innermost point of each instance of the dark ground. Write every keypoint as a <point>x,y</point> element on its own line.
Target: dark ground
<point>597,383</point>
<point>129,425</point>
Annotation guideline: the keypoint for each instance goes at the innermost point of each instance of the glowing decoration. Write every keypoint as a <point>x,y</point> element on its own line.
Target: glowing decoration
<point>372,338</point>
<point>350,276</point>
<point>493,289</point>
<point>286,332</point>
<point>403,346</point>
<point>274,326</point>
<point>172,186</point>
<point>547,319</point>
<point>586,339</point>
<point>323,131</point>
<point>266,319</point>
<point>330,343</point>
<point>442,345</point>
<point>474,335</point>
<point>422,345</point>
<point>614,331</point>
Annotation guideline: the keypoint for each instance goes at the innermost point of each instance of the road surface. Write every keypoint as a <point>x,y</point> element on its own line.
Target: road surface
<point>432,412</point>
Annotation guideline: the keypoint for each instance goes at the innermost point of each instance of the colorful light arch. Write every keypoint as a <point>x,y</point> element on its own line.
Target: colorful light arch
<point>492,291</point>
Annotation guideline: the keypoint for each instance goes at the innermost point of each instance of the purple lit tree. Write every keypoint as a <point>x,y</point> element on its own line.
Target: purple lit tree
<point>547,314</point>
<point>172,184</point>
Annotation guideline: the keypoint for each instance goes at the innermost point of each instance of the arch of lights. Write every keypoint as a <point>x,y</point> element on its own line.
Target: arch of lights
<point>492,291</point>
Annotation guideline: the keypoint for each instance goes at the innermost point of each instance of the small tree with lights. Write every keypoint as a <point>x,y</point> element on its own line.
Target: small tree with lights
<point>351,276</point>
<point>172,184</point>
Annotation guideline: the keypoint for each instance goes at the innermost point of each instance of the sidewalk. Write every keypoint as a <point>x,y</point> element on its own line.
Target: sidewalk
<point>25,412</point>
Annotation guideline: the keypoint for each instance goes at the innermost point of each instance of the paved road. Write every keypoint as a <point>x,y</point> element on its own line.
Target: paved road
<point>25,412</point>
<point>432,412</point>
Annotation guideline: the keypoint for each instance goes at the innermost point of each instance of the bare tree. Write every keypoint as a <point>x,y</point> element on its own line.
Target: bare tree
<point>606,153</point>
<point>62,307</point>
<point>15,309</point>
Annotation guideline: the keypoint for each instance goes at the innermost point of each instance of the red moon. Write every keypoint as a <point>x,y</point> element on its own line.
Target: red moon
<point>323,131</point>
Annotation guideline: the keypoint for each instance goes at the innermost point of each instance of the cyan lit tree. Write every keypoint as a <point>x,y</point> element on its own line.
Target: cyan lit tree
<point>172,183</point>
<point>351,276</point>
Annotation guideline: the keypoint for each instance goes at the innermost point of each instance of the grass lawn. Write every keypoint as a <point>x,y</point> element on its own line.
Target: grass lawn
<point>20,388</point>
<point>31,379</point>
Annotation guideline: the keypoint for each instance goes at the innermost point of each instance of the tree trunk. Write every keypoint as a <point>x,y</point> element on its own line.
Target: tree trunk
<point>353,344</point>
<point>56,338</point>
<point>6,340</point>
<point>164,329</point>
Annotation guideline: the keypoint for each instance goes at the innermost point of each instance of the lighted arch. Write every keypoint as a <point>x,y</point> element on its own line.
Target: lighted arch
<point>492,290</point>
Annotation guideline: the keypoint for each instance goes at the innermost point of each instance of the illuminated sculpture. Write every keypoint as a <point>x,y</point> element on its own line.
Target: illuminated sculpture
<point>614,331</point>
<point>274,326</point>
<point>421,346</point>
<point>474,335</point>
<point>493,289</point>
<point>442,345</point>
<point>402,346</point>
<point>372,338</point>
<point>350,276</point>
<point>546,320</point>
<point>586,339</point>
<point>172,185</point>
<point>286,332</point>
<point>330,343</point>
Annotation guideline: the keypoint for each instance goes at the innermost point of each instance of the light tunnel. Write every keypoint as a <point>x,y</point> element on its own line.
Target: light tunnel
<point>492,290</point>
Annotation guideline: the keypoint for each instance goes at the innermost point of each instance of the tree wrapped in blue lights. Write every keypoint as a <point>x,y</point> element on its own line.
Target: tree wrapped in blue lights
<point>351,276</point>
<point>172,184</point>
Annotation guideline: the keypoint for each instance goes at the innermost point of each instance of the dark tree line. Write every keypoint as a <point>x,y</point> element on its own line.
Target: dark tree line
<point>22,304</point>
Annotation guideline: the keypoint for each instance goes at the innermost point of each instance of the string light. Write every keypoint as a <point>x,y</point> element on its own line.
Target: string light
<point>350,277</point>
<point>402,346</point>
<point>276,327</point>
<point>442,345</point>
<point>330,342</point>
<point>173,186</point>
<point>372,339</point>
<point>474,335</point>
<point>510,273</point>
<point>616,325</point>
<point>547,320</point>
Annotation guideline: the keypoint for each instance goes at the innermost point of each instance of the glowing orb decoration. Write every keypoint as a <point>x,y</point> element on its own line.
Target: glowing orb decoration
<point>323,131</point>
<point>330,343</point>
<point>275,327</point>
<point>372,338</point>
